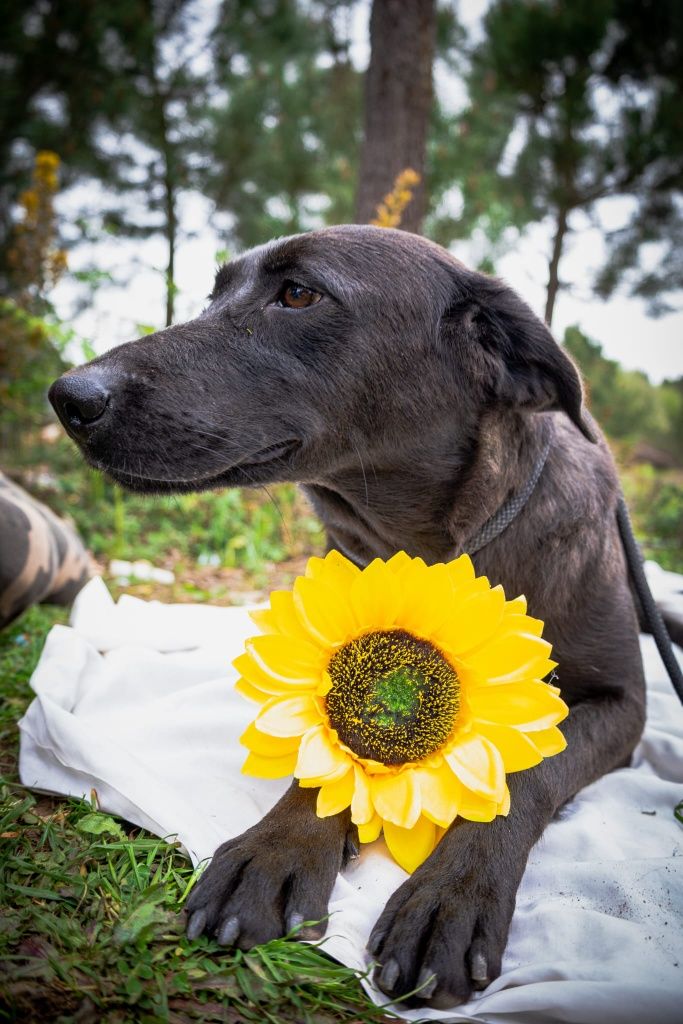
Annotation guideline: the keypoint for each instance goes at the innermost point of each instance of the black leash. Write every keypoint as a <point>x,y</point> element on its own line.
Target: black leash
<point>651,612</point>
<point>509,510</point>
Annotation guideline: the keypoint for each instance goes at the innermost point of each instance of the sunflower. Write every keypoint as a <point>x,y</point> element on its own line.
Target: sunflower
<point>404,691</point>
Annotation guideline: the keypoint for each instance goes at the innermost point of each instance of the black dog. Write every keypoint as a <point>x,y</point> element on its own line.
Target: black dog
<point>411,397</point>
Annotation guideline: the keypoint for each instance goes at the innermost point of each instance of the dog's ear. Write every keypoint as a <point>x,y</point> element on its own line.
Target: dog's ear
<point>516,354</point>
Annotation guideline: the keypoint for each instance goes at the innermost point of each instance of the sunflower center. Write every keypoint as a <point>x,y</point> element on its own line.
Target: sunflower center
<point>393,698</point>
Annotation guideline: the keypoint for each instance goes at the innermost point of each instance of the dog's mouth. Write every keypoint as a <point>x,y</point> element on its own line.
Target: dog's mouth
<point>263,466</point>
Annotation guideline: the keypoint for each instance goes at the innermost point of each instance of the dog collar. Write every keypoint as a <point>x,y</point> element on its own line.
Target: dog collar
<point>511,508</point>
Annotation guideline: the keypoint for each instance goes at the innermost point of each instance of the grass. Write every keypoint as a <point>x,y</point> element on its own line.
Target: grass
<point>245,528</point>
<point>91,928</point>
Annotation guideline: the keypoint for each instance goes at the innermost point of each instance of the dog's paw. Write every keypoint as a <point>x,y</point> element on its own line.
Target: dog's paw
<point>270,880</point>
<point>442,932</point>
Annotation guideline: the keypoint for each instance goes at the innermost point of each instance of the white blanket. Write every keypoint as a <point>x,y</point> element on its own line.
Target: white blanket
<point>134,700</point>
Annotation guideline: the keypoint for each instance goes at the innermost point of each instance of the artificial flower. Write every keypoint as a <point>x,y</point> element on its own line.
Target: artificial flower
<point>404,691</point>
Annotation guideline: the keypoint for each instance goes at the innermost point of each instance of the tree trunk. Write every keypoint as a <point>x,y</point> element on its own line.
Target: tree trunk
<point>553,268</point>
<point>160,98</point>
<point>171,235</point>
<point>398,100</point>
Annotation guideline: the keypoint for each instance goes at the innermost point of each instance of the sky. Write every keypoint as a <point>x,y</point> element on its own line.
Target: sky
<point>621,324</point>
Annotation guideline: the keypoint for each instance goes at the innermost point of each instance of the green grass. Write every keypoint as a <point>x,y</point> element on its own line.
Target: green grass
<point>91,927</point>
<point>238,528</point>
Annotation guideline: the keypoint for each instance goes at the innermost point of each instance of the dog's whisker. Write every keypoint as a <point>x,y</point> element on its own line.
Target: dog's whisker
<point>365,479</point>
<point>285,529</point>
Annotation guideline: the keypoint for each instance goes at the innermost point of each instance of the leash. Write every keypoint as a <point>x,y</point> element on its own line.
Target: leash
<point>511,508</point>
<point>651,612</point>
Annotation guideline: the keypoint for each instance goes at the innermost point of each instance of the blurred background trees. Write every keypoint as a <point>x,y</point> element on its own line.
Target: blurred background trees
<point>586,104</point>
<point>164,120</point>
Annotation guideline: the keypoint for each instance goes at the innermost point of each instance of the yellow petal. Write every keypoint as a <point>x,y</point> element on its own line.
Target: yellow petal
<point>288,716</point>
<point>440,793</point>
<point>479,766</point>
<point>522,624</point>
<point>335,796</point>
<point>375,767</point>
<point>268,746</point>
<point>251,692</point>
<point>325,611</point>
<point>410,847</point>
<point>548,741</point>
<point>428,598</point>
<point>504,806</point>
<point>259,679</point>
<point>315,781</point>
<point>529,706</point>
<point>287,659</point>
<point>285,617</point>
<point>362,808</point>
<point>396,797</point>
<point>398,563</point>
<point>325,684</point>
<point>509,658</point>
<point>269,767</point>
<point>263,618</point>
<point>516,749</point>
<point>472,622</point>
<point>476,808</point>
<point>334,569</point>
<point>368,832</point>
<point>317,755</point>
<point>517,606</point>
<point>374,597</point>
<point>461,570</point>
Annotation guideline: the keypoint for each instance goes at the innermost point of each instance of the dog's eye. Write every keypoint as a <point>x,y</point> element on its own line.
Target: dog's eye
<point>296,296</point>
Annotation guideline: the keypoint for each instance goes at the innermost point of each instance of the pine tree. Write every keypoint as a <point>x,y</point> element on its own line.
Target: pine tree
<point>646,64</point>
<point>285,123</point>
<point>398,103</point>
<point>558,121</point>
<point>90,82</point>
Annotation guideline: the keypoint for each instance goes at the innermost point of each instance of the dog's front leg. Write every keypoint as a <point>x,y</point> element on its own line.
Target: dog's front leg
<point>278,874</point>
<point>446,928</point>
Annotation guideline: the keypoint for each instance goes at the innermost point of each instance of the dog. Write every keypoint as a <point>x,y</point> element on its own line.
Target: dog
<point>410,397</point>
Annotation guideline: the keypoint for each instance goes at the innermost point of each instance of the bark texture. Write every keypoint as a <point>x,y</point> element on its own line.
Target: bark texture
<point>398,99</point>
<point>554,265</point>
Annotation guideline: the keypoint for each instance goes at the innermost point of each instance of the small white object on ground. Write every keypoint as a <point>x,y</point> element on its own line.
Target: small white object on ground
<point>141,570</point>
<point>135,701</point>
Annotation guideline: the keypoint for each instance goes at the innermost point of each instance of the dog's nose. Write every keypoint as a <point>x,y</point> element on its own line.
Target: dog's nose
<point>80,401</point>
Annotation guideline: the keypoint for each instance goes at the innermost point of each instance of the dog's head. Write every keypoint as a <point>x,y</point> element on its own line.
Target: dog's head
<point>312,348</point>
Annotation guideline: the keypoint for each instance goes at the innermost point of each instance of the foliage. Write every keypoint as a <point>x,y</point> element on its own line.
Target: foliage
<point>35,263</point>
<point>29,345</point>
<point>27,361</point>
<point>233,528</point>
<point>91,926</point>
<point>625,403</point>
<point>646,64</point>
<point>390,210</point>
<point>20,647</point>
<point>656,502</point>
<point>566,109</point>
<point>165,120</point>
<point>286,119</point>
<point>67,75</point>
